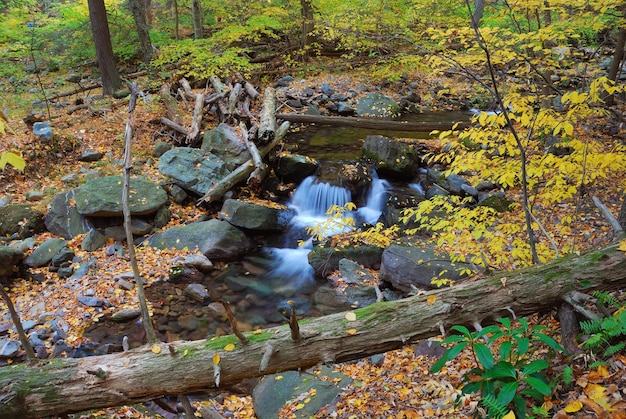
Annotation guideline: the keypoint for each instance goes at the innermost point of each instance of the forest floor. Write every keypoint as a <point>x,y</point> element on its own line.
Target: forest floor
<point>399,385</point>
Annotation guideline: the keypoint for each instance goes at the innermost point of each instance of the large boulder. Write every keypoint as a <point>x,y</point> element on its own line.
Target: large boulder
<point>392,158</point>
<point>216,239</point>
<point>43,254</point>
<point>9,257</point>
<point>102,197</point>
<point>63,219</point>
<point>377,105</point>
<point>224,143</point>
<point>259,215</point>
<point>193,169</point>
<point>20,221</point>
<point>295,167</point>
<point>407,267</point>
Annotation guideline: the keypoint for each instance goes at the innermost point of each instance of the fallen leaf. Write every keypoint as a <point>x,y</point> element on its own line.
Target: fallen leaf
<point>156,349</point>
<point>574,406</point>
<point>351,331</point>
<point>229,347</point>
<point>509,415</point>
<point>216,359</point>
<point>351,316</point>
<point>431,299</point>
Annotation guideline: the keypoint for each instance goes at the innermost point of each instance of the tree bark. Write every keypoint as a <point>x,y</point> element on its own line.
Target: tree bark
<point>267,116</point>
<point>369,123</point>
<point>111,80</point>
<point>59,386</point>
<point>138,10</point>
<point>196,14</point>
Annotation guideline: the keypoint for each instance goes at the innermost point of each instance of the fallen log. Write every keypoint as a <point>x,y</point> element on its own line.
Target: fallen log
<point>171,106</point>
<point>239,174</point>
<point>196,120</point>
<point>59,386</point>
<point>267,116</point>
<point>371,123</point>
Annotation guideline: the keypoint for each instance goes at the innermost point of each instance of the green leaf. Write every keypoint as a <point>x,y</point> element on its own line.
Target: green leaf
<point>501,370</point>
<point>523,344</point>
<point>550,342</point>
<point>538,385</point>
<point>506,322</point>
<point>452,339</point>
<point>505,349</point>
<point>507,393</point>
<point>535,366</point>
<point>13,159</point>
<point>447,356</point>
<point>487,330</point>
<point>484,355</point>
<point>463,330</point>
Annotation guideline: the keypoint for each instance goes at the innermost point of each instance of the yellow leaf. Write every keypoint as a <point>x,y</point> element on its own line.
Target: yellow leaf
<point>156,349</point>
<point>509,415</point>
<point>229,347</point>
<point>351,331</point>
<point>350,316</point>
<point>431,299</point>
<point>622,246</point>
<point>278,377</point>
<point>216,359</point>
<point>573,407</point>
<point>603,371</point>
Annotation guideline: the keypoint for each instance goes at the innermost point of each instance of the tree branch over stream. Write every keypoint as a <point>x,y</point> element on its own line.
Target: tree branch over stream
<point>59,386</point>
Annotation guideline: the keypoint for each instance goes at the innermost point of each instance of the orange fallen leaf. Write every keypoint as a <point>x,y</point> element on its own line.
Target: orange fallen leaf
<point>156,349</point>
<point>351,331</point>
<point>229,347</point>
<point>431,299</point>
<point>216,359</point>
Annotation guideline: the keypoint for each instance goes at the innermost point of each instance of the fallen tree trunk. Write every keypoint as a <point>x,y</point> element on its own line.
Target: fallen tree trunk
<point>370,123</point>
<point>58,386</point>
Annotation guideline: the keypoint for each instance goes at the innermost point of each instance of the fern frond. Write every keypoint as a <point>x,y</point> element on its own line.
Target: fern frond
<point>495,408</point>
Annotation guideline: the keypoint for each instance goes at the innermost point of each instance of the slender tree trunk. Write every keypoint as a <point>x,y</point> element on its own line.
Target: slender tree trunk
<point>176,31</point>
<point>479,10</point>
<point>111,80</point>
<point>196,13</point>
<point>306,11</point>
<point>622,214</point>
<point>138,10</point>
<point>616,63</point>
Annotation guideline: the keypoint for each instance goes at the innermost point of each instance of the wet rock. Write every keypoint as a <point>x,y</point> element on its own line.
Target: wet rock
<point>325,260</point>
<point>406,267</point>
<point>198,261</point>
<point>328,300</point>
<point>43,254</point>
<point>207,168</point>
<point>196,292</point>
<point>436,190</point>
<point>102,197</point>
<point>353,273</point>
<point>295,167</point>
<point>392,158</point>
<point>125,315</point>
<point>256,215</point>
<point>20,221</point>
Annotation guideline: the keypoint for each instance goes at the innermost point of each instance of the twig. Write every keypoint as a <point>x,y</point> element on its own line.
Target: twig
<point>30,353</point>
<point>607,214</point>
<point>128,135</point>
<point>233,321</point>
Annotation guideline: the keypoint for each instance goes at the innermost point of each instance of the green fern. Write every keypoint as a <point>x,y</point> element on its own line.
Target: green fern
<point>608,333</point>
<point>495,409</point>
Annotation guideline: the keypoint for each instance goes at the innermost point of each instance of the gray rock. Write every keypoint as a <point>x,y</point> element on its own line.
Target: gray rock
<point>20,221</point>
<point>93,241</point>
<point>9,348</point>
<point>91,301</point>
<point>376,105</point>
<point>272,393</point>
<point>161,148</point>
<point>327,90</point>
<point>198,261</point>
<point>353,273</point>
<point>256,215</point>
<point>216,239</point>
<point>393,157</point>
<point>23,245</point>
<point>63,255</point>
<point>102,197</point>
<point>495,200</point>
<point>406,267</point>
<point>469,190</point>
<point>126,314</point>
<point>207,168</point>
<point>162,217</point>
<point>224,142</point>
<point>63,219</point>
<point>9,258</point>
<point>178,194</point>
<point>89,156</point>
<point>345,109</point>
<point>43,254</point>
<point>43,131</point>
<point>82,270</point>
<point>196,292</point>
<point>454,183</point>
<point>33,196</point>
<point>188,322</point>
<point>436,190</point>
<point>325,260</point>
<point>125,285</point>
<point>295,167</point>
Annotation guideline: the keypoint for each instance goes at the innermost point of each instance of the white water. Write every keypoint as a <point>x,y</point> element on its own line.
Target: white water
<point>310,202</point>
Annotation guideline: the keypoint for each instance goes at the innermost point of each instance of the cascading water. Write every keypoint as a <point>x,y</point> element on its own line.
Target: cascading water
<point>310,202</point>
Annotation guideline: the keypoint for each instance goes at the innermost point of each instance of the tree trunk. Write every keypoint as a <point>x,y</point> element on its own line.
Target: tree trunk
<point>369,123</point>
<point>59,386</point>
<point>621,219</point>
<point>306,12</point>
<point>616,63</point>
<point>111,80</point>
<point>479,10</point>
<point>138,10</point>
<point>196,14</point>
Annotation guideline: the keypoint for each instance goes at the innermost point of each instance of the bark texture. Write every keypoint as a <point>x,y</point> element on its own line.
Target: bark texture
<point>111,80</point>
<point>58,386</point>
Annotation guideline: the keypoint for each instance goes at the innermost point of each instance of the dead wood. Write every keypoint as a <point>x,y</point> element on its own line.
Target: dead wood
<point>267,117</point>
<point>60,386</point>
<point>173,125</point>
<point>370,123</point>
<point>171,106</point>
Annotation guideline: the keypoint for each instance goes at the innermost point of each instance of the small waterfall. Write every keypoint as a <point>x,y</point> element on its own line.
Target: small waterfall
<point>310,202</point>
<point>375,202</point>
